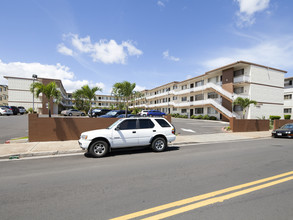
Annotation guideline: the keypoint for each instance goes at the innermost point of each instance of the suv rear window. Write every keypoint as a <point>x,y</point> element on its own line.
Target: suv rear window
<point>145,123</point>
<point>163,123</point>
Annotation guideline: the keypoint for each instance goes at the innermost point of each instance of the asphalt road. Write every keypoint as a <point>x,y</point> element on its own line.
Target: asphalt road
<point>79,187</point>
<point>13,126</point>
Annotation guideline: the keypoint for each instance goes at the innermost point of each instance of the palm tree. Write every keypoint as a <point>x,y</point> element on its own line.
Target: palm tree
<point>86,93</point>
<point>244,103</point>
<point>50,91</point>
<point>124,90</point>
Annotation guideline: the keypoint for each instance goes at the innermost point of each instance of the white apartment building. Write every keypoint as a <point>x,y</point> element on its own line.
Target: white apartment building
<point>3,95</point>
<point>288,93</point>
<point>20,95</point>
<point>214,92</point>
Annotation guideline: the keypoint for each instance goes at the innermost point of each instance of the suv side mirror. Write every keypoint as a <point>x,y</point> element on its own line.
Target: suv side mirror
<point>117,128</point>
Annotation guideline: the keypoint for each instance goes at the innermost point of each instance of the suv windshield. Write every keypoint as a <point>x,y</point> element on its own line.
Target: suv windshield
<point>114,124</point>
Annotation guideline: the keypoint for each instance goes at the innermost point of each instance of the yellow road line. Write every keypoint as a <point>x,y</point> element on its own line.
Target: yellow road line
<point>197,198</point>
<point>216,200</point>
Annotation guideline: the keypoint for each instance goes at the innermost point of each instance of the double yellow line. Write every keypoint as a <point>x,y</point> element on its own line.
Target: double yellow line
<point>208,198</point>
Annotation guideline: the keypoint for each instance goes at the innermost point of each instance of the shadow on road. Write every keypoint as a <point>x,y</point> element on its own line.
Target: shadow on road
<point>133,150</point>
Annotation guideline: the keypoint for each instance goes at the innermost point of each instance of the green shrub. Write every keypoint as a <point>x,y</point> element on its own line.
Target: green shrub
<point>287,116</point>
<point>213,118</point>
<point>30,110</point>
<point>206,117</point>
<point>273,117</point>
<point>198,117</point>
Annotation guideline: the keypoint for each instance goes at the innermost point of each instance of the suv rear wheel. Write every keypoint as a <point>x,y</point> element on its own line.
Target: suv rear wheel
<point>159,144</point>
<point>99,148</point>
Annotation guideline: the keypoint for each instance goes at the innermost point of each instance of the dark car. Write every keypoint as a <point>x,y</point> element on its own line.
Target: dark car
<point>98,112</point>
<point>155,113</point>
<point>285,131</point>
<point>114,114</point>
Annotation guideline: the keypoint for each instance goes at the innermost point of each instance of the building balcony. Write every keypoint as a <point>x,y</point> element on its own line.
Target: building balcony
<point>239,79</point>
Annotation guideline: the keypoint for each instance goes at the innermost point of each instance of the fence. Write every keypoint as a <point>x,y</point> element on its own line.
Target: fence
<point>245,125</point>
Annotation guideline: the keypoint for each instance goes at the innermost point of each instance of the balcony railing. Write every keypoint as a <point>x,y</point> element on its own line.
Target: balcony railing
<point>242,78</point>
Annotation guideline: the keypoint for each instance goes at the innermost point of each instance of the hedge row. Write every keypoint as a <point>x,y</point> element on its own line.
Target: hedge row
<point>205,117</point>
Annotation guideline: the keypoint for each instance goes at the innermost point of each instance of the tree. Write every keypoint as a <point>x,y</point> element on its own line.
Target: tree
<point>86,94</point>
<point>50,91</point>
<point>125,91</point>
<point>244,103</point>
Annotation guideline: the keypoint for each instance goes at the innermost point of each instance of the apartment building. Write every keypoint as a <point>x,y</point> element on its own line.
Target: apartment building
<point>3,95</point>
<point>214,92</point>
<point>20,95</point>
<point>288,93</point>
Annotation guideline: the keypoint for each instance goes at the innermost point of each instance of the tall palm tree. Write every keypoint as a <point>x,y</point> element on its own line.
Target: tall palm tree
<point>87,93</point>
<point>125,90</point>
<point>244,103</point>
<point>50,91</point>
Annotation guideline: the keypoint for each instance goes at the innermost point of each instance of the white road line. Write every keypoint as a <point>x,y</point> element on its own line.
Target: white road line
<point>188,130</point>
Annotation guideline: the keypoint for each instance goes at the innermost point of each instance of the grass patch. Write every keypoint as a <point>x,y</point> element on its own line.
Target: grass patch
<point>20,138</point>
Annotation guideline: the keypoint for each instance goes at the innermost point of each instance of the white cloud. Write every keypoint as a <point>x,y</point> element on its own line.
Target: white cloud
<point>168,57</point>
<point>275,52</point>
<point>161,4</point>
<point>58,71</point>
<point>139,88</point>
<point>104,51</point>
<point>247,9</point>
<point>188,76</point>
<point>61,48</point>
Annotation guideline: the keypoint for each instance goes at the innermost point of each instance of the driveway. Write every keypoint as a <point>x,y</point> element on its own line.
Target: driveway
<point>13,126</point>
<point>197,127</point>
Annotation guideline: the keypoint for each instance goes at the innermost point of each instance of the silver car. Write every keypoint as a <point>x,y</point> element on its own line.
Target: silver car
<point>72,112</point>
<point>5,111</point>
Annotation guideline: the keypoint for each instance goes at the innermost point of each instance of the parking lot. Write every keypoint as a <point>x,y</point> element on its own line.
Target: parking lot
<point>197,127</point>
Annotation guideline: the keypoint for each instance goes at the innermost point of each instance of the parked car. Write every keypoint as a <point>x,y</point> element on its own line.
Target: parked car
<point>129,132</point>
<point>143,113</point>
<point>285,131</point>
<point>155,113</point>
<point>114,114</point>
<point>128,116</point>
<point>14,109</point>
<point>72,112</point>
<point>98,112</point>
<point>5,111</point>
<point>21,110</point>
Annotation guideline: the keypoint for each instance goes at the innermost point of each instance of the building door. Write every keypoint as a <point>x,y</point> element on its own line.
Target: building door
<point>191,112</point>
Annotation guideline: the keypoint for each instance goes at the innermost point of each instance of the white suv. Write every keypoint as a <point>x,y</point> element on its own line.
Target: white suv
<point>129,132</point>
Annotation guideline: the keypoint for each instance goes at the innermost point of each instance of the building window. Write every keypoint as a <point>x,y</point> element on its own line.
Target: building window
<point>212,95</point>
<point>184,99</point>
<point>198,97</point>
<point>191,98</point>
<point>212,110</point>
<point>0,89</point>
<point>239,90</point>
<point>183,110</point>
<point>199,83</point>
<point>0,98</point>
<point>238,72</point>
<point>287,110</point>
<point>174,97</point>
<point>175,87</point>
<point>198,111</point>
<point>191,85</point>
<point>175,109</point>
<point>184,87</point>
<point>238,108</point>
<point>288,96</point>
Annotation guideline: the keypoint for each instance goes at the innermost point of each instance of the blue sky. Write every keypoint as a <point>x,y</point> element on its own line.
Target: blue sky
<point>149,42</point>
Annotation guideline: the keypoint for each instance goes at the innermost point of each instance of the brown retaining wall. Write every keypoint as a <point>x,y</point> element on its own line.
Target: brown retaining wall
<point>63,129</point>
<point>280,123</point>
<point>245,125</point>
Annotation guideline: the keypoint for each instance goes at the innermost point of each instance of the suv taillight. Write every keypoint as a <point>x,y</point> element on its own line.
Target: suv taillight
<point>173,130</point>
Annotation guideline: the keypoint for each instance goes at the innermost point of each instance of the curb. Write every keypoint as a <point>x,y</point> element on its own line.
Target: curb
<point>37,154</point>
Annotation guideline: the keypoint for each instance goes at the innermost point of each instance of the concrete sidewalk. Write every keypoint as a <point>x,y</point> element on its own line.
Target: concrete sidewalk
<point>30,149</point>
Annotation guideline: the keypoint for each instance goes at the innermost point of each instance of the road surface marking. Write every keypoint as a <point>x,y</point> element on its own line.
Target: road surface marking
<point>208,198</point>
<point>188,130</point>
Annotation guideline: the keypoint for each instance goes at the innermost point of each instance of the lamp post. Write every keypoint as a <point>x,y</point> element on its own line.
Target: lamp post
<point>34,78</point>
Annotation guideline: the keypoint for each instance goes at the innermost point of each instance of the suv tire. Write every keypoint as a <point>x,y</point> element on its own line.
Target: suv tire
<point>99,148</point>
<point>159,144</point>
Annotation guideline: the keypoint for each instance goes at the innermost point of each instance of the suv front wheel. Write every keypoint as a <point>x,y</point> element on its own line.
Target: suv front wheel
<point>99,148</point>
<point>159,144</point>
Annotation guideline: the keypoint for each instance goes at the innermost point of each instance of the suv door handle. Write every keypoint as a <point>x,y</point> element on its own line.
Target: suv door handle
<point>134,132</point>
<point>154,130</point>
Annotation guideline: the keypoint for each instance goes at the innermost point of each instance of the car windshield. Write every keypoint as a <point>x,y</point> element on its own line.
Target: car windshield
<point>288,126</point>
<point>112,113</point>
<point>114,124</point>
